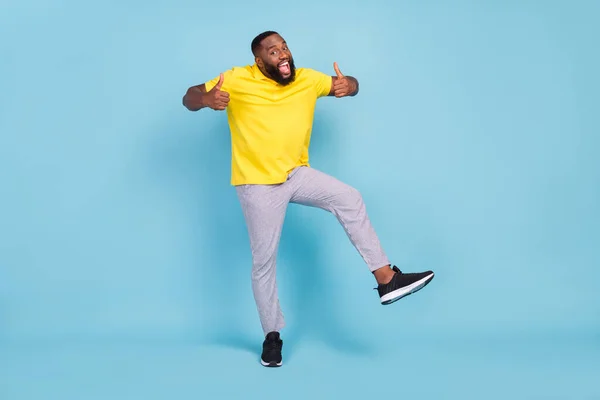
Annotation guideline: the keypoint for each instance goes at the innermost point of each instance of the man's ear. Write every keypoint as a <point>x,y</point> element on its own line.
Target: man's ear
<point>258,62</point>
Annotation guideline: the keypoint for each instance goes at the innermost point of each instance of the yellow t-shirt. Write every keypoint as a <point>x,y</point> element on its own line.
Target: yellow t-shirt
<point>270,124</point>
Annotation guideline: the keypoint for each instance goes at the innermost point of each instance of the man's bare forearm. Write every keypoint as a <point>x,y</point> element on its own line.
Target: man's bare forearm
<point>194,98</point>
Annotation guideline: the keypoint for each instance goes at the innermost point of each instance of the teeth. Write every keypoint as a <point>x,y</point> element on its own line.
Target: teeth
<point>283,63</point>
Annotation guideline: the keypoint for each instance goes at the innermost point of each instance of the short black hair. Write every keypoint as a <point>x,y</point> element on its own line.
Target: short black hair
<point>259,38</point>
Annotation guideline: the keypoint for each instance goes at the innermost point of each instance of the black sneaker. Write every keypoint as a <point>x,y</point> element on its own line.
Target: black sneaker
<point>271,354</point>
<point>402,285</point>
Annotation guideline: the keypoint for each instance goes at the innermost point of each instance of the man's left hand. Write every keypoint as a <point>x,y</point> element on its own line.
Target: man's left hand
<point>343,85</point>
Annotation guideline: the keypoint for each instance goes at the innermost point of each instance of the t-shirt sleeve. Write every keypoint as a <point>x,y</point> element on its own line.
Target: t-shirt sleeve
<point>322,82</point>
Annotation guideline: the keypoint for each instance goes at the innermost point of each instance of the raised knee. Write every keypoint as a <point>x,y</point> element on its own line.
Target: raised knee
<point>355,194</point>
<point>349,199</point>
<point>354,197</point>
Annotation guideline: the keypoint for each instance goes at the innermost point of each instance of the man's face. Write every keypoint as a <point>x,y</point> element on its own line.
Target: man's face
<point>275,59</point>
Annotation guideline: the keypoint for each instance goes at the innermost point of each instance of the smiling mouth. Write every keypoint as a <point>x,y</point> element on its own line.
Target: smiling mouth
<point>284,68</point>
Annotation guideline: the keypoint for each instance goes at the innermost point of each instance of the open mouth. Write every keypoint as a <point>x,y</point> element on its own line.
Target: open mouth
<point>284,68</point>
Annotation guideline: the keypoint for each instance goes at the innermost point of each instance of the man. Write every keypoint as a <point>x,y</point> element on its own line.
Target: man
<point>270,108</point>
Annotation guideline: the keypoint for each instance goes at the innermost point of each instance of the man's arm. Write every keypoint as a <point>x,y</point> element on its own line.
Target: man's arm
<point>196,97</point>
<point>341,85</point>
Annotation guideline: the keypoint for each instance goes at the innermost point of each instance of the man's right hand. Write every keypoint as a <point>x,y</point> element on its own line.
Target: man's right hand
<point>216,98</point>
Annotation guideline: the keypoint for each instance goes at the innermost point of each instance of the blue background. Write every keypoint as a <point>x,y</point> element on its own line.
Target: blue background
<point>124,259</point>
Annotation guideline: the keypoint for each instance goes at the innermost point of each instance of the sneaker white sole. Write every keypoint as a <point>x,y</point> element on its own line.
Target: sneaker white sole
<point>397,294</point>
<point>271,364</point>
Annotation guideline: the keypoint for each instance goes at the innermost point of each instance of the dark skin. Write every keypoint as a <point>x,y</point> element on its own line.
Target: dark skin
<point>273,50</point>
<point>197,98</point>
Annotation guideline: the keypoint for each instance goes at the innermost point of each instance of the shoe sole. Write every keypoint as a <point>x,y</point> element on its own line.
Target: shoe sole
<point>272,364</point>
<point>405,291</point>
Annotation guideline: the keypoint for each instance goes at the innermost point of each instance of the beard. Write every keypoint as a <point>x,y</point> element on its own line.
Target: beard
<point>275,74</point>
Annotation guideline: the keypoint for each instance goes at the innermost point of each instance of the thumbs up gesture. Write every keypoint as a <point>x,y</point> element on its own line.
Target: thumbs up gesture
<point>216,98</point>
<point>343,85</point>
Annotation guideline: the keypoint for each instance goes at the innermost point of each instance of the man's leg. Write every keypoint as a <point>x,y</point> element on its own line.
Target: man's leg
<point>264,208</point>
<point>317,189</point>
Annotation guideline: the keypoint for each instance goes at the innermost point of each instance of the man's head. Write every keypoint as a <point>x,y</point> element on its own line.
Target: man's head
<point>273,57</point>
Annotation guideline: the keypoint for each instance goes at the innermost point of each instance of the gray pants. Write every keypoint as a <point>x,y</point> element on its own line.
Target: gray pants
<point>264,208</point>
